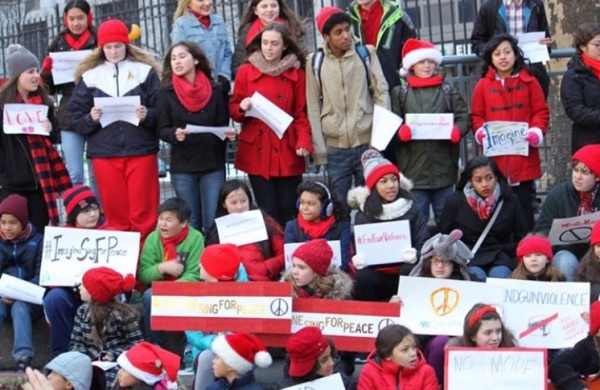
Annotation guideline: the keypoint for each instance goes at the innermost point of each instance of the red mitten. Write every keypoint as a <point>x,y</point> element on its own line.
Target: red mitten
<point>455,135</point>
<point>405,133</point>
<point>47,64</point>
<point>479,135</point>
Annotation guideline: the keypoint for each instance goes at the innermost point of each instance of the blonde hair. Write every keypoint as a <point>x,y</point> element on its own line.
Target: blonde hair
<point>321,285</point>
<point>133,53</point>
<point>550,273</point>
<point>183,8</point>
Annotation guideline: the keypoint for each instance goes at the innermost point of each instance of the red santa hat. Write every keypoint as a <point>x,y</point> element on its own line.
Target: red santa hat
<point>149,363</point>
<point>415,50</point>
<point>241,351</point>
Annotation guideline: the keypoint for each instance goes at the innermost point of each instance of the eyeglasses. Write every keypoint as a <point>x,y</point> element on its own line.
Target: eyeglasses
<point>438,261</point>
<point>595,44</point>
<point>90,209</point>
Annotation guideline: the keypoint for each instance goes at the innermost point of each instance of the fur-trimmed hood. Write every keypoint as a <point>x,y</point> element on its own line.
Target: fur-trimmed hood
<point>358,195</point>
<point>342,283</point>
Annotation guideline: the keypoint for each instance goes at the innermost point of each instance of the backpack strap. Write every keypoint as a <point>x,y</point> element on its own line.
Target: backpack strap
<point>298,234</point>
<point>446,88</point>
<point>316,63</point>
<point>365,57</point>
<point>447,95</point>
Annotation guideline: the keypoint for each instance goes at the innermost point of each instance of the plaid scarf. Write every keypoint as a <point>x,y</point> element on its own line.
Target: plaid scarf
<point>50,168</point>
<point>482,207</point>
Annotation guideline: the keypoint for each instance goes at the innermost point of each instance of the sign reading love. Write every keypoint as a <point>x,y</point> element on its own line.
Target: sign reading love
<point>25,119</point>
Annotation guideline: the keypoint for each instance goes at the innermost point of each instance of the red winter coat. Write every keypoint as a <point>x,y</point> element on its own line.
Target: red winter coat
<point>257,266</point>
<point>260,151</point>
<point>382,374</point>
<point>521,100</point>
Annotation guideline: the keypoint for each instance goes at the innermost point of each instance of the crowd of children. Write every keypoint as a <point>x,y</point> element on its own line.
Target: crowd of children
<point>485,219</point>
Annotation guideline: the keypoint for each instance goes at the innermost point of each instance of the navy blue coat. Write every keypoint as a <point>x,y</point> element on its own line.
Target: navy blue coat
<point>22,258</point>
<point>245,382</point>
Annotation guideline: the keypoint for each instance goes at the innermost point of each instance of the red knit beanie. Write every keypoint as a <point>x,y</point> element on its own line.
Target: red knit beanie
<point>375,166</point>
<point>221,261</point>
<point>595,237</point>
<point>16,205</point>
<point>589,156</point>
<point>76,199</point>
<point>324,16</point>
<point>104,283</point>
<point>303,349</point>
<point>111,31</point>
<point>595,318</point>
<point>317,254</point>
<point>534,244</point>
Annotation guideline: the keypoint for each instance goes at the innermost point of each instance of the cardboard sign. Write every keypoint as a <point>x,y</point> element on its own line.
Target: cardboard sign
<point>383,242</point>
<point>439,306</point>
<point>242,228</point>
<point>545,314</point>
<point>69,252</point>
<point>505,138</point>
<point>495,369</point>
<point>264,307</point>
<point>430,126</point>
<point>575,230</point>
<point>25,119</point>
<point>20,290</point>
<point>330,382</point>
<point>289,249</point>
<point>65,63</point>
<point>352,325</point>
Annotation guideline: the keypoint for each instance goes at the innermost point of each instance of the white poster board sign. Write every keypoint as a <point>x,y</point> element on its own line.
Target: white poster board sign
<point>242,228</point>
<point>545,314</point>
<point>20,290</point>
<point>382,242</point>
<point>430,126</point>
<point>118,109</point>
<point>268,112</point>
<point>69,252</point>
<point>331,382</point>
<point>385,125</point>
<point>25,119</point>
<point>439,306</point>
<point>289,249</point>
<point>495,369</point>
<point>575,230</point>
<point>505,138</point>
<point>64,64</point>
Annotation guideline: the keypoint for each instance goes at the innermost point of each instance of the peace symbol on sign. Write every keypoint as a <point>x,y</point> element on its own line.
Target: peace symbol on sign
<point>385,322</point>
<point>444,300</point>
<point>576,234</point>
<point>279,307</point>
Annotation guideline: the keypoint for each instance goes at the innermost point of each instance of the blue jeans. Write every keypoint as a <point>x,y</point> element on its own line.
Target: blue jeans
<point>342,166</point>
<point>566,262</point>
<point>432,198</point>
<point>60,307</point>
<point>21,314</point>
<point>201,192</point>
<point>495,271</point>
<point>73,145</point>
<point>153,337</point>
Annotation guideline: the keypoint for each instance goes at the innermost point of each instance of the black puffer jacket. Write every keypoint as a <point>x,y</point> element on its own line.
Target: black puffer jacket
<point>567,367</point>
<point>579,94</point>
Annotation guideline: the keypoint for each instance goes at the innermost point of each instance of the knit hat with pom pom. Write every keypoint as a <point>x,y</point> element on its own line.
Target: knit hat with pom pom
<point>18,60</point>
<point>375,166</point>
<point>104,283</point>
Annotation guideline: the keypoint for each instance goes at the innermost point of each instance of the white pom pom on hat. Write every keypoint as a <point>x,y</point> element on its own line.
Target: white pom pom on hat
<point>241,351</point>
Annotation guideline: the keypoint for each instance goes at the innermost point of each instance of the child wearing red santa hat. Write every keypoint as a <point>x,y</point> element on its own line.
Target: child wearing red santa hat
<point>588,269</point>
<point>534,256</point>
<point>104,327</point>
<point>236,356</point>
<point>146,366</point>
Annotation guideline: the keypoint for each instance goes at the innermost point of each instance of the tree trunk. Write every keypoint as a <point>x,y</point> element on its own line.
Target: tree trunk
<point>564,17</point>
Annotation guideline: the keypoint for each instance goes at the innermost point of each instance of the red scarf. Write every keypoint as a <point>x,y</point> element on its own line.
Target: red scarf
<point>315,230</point>
<point>204,20</point>
<point>170,247</point>
<point>591,63</point>
<point>77,43</point>
<point>418,82</point>
<point>585,202</point>
<point>49,166</point>
<point>256,28</point>
<point>194,97</point>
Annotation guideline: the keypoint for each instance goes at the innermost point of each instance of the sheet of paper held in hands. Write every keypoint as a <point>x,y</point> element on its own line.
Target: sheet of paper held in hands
<point>385,125</point>
<point>265,110</point>
<point>505,138</point>
<point>105,366</point>
<point>65,63</point>
<point>382,242</point>
<point>20,290</point>
<point>330,382</point>
<point>430,126</point>
<point>242,228</point>
<point>118,109</point>
<point>218,131</point>
<point>532,49</point>
<point>25,119</point>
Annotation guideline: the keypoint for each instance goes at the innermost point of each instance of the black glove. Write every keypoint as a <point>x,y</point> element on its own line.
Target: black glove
<point>225,86</point>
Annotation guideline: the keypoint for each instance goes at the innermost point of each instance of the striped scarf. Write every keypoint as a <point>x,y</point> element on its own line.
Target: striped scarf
<point>49,166</point>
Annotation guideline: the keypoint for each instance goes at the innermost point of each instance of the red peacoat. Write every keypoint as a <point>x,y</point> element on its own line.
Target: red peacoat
<point>520,99</point>
<point>260,151</point>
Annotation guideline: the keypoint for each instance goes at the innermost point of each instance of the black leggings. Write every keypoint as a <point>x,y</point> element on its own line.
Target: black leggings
<point>276,196</point>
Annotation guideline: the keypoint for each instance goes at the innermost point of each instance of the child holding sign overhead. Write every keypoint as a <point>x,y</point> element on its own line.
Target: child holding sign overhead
<point>484,328</point>
<point>534,256</point>
<point>29,164</point>
<point>396,363</point>
<point>431,164</point>
<point>588,269</point>
<point>386,198</point>
<point>508,92</point>
<point>21,257</point>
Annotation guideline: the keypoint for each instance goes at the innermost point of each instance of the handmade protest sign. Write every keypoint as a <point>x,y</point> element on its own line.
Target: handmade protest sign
<point>385,125</point>
<point>544,314</point>
<point>65,63</point>
<point>120,108</point>
<point>330,382</point>
<point>438,306</point>
<point>264,307</point>
<point>383,242</point>
<point>69,252</point>
<point>289,249</point>
<point>575,230</point>
<point>268,112</point>
<point>242,228</point>
<point>495,369</point>
<point>25,119</point>
<point>505,138</point>
<point>20,290</point>
<point>430,126</point>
